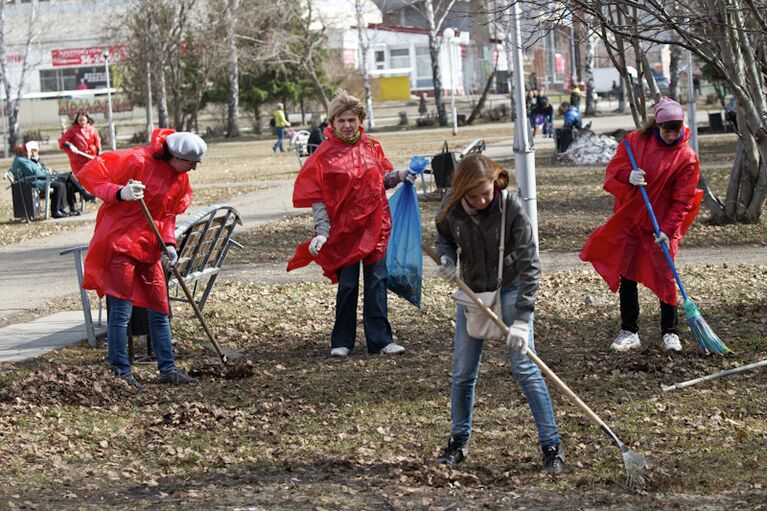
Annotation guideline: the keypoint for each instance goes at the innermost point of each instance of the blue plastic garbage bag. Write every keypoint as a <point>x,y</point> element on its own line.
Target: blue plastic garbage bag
<point>404,257</point>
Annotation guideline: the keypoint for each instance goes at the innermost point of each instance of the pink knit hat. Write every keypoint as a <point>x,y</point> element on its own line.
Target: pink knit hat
<point>667,110</point>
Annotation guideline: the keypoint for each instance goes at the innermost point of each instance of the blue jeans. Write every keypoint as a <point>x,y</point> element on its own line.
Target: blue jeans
<point>374,308</point>
<point>280,137</point>
<point>466,358</point>
<point>117,337</point>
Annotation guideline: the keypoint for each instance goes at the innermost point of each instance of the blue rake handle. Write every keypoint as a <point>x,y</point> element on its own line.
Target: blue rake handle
<point>655,225</point>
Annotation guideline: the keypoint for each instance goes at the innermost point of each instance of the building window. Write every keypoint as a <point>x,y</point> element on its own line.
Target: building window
<point>380,58</point>
<point>72,78</point>
<point>423,75</point>
<point>399,57</point>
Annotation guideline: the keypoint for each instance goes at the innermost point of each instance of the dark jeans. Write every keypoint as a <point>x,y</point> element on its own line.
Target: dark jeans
<point>630,310</point>
<point>117,337</point>
<point>280,138</point>
<point>73,186</point>
<point>374,308</point>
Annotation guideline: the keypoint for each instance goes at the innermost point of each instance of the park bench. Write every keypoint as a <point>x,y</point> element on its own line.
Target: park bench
<point>202,244</point>
<point>26,198</point>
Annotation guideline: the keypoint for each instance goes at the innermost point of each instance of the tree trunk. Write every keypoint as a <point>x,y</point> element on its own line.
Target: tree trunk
<point>435,74</point>
<point>588,70</point>
<point>232,69</point>
<point>434,55</point>
<point>162,97</point>
<point>481,103</point>
<point>673,68</point>
<point>364,46</point>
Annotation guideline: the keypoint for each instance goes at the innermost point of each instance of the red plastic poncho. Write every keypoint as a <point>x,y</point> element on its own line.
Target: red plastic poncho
<point>348,179</point>
<point>123,257</point>
<point>625,244</point>
<point>85,139</point>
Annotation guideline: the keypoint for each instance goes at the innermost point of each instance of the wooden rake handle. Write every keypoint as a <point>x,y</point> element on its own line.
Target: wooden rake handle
<point>505,328</point>
<point>177,274</point>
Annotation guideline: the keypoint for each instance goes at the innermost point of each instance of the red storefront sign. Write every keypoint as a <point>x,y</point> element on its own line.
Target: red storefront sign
<point>88,56</point>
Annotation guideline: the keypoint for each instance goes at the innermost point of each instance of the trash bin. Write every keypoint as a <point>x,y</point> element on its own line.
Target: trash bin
<point>715,122</point>
<point>563,137</point>
<point>442,166</point>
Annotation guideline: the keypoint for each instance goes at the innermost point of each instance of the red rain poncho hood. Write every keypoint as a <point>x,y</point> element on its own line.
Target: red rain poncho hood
<point>123,257</point>
<point>348,179</point>
<point>625,244</point>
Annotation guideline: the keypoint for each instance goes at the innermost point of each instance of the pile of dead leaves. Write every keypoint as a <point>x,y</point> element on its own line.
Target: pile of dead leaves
<point>59,385</point>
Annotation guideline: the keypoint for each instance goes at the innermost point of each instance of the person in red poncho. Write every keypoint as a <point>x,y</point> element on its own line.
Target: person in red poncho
<point>83,137</point>
<point>123,259</point>
<point>625,250</point>
<point>344,182</point>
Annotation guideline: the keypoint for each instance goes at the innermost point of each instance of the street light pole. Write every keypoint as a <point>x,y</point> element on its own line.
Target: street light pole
<point>524,150</point>
<point>449,34</point>
<point>109,102</point>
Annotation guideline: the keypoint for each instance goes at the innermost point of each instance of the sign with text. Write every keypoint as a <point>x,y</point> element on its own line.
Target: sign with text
<point>68,107</point>
<point>88,56</point>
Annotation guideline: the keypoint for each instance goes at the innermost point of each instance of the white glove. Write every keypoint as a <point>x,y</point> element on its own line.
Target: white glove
<point>636,178</point>
<point>661,238</point>
<point>446,269</point>
<point>316,244</point>
<point>516,340</point>
<point>406,175</point>
<point>166,262</point>
<point>132,191</point>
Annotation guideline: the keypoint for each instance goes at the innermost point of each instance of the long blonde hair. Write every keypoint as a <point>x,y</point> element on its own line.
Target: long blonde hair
<point>473,172</point>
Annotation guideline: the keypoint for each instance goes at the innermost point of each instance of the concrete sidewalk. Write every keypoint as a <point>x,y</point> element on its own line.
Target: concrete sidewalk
<point>29,340</point>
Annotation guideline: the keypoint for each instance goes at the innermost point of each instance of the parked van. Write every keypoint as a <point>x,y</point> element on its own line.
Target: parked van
<point>608,79</point>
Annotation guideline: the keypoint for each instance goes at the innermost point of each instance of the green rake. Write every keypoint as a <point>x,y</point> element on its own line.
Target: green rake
<point>708,341</point>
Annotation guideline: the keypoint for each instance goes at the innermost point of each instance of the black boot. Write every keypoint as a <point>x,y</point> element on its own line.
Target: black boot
<point>454,453</point>
<point>553,459</point>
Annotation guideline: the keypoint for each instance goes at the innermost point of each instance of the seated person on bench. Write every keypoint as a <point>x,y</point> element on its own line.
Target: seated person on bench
<point>31,172</point>
<point>69,179</point>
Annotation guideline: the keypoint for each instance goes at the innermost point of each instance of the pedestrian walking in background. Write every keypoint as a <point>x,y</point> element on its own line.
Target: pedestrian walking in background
<point>469,223</point>
<point>123,260</point>
<point>423,108</point>
<point>280,123</point>
<point>82,136</point>
<point>344,182</point>
<point>625,250</point>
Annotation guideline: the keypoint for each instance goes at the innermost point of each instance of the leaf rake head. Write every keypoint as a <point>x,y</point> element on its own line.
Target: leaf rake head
<point>706,338</point>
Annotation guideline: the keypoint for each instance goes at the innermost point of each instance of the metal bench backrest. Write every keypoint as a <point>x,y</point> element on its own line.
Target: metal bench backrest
<point>202,244</point>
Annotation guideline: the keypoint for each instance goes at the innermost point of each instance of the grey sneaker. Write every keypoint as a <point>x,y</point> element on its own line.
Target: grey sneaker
<point>671,342</point>
<point>130,380</point>
<point>392,349</point>
<point>339,352</point>
<point>625,341</point>
<point>178,377</point>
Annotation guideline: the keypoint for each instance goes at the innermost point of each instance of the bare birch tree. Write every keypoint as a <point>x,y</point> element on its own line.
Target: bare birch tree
<point>13,90</point>
<point>435,12</point>
<point>232,68</point>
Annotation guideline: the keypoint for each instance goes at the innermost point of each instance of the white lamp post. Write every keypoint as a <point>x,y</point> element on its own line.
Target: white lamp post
<point>449,35</point>
<point>109,102</point>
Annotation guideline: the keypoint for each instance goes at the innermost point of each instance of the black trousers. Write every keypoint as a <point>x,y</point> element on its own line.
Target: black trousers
<point>72,186</point>
<point>629,297</point>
